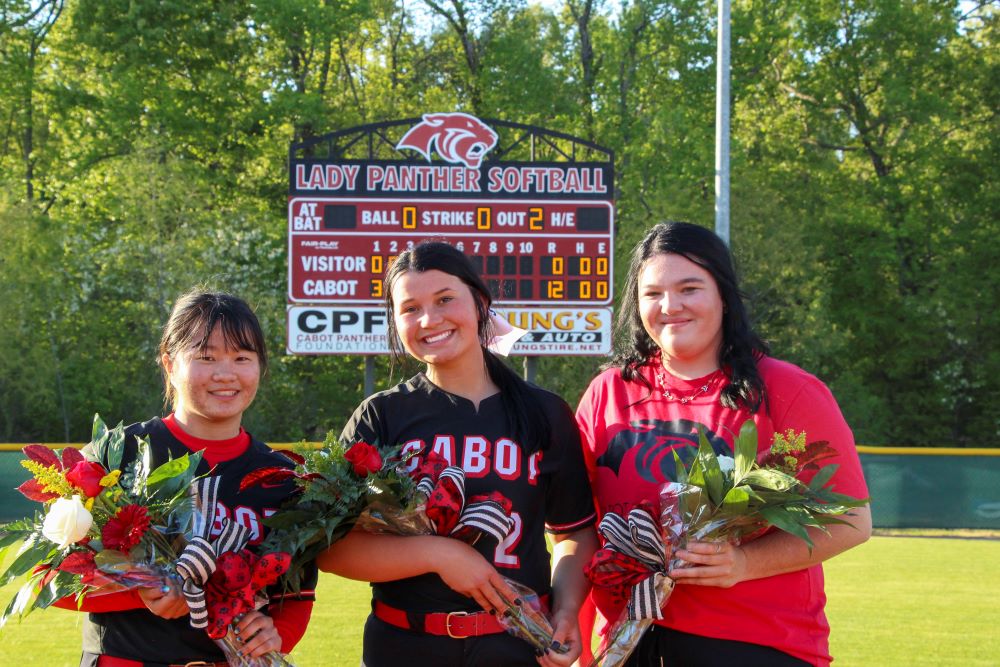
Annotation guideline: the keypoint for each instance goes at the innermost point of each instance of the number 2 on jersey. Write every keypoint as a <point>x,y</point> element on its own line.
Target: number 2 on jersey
<point>504,556</point>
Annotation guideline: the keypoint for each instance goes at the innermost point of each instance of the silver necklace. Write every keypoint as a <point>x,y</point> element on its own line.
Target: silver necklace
<point>661,379</point>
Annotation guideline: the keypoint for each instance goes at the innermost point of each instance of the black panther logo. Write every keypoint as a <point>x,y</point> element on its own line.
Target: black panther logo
<point>655,441</point>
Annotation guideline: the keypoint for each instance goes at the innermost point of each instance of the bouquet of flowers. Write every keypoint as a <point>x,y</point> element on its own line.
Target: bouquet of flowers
<point>335,485</point>
<point>96,519</point>
<point>433,502</point>
<point>343,485</point>
<point>715,497</point>
<point>107,527</point>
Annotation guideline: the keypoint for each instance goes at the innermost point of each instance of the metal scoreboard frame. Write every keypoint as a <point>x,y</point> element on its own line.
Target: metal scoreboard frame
<point>532,208</point>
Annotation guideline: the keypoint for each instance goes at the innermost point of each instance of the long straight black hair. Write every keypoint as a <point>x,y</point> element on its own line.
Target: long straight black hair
<point>525,417</point>
<point>741,347</point>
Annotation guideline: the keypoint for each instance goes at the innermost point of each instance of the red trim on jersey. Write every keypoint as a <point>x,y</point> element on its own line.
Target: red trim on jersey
<point>308,595</point>
<point>570,527</point>
<point>214,451</point>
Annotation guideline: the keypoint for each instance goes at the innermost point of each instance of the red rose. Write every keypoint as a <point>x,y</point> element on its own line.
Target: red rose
<point>364,458</point>
<point>87,477</point>
<point>126,528</point>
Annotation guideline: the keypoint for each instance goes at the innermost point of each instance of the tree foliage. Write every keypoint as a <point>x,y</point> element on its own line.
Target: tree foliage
<point>143,147</point>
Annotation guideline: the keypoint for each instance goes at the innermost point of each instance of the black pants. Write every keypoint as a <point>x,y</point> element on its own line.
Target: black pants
<point>388,646</point>
<point>663,647</point>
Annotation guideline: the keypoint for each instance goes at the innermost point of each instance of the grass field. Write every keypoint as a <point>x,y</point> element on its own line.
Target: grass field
<point>894,601</point>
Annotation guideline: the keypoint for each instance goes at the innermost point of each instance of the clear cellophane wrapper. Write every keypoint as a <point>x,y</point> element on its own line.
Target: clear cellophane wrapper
<point>149,565</point>
<point>528,620</point>
<point>683,516</point>
<point>390,519</point>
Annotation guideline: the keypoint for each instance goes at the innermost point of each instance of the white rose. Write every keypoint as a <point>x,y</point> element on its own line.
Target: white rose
<point>67,522</point>
<point>727,464</point>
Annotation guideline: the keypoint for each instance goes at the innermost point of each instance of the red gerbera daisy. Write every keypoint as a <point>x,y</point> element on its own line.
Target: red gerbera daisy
<point>126,528</point>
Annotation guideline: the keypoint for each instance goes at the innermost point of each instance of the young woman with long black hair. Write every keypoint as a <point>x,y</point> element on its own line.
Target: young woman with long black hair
<point>436,598</point>
<point>688,359</point>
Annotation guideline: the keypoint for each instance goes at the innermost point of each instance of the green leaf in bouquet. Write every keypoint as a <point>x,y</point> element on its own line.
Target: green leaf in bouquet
<point>770,479</point>
<point>35,550</point>
<point>16,531</point>
<point>62,585</point>
<point>99,429</point>
<point>823,476</point>
<point>681,472</point>
<point>696,473</point>
<point>786,521</point>
<point>381,489</point>
<point>106,446</point>
<point>714,479</point>
<point>174,476</point>
<point>830,520</point>
<point>22,602</point>
<point>778,498</point>
<point>288,519</point>
<point>745,450</point>
<point>736,500</point>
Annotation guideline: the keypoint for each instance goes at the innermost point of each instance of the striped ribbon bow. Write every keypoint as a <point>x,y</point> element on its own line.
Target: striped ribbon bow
<point>198,560</point>
<point>637,541</point>
<point>444,487</point>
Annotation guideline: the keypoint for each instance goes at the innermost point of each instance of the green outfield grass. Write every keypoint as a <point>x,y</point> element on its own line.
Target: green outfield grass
<point>895,601</point>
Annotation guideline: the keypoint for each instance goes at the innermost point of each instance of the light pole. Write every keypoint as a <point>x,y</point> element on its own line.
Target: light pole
<point>722,125</point>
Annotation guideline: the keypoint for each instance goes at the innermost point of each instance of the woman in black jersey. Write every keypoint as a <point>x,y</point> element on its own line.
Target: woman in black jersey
<point>436,598</point>
<point>213,355</point>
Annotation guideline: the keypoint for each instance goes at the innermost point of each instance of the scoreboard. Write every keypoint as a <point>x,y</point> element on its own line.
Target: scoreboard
<point>532,208</point>
<point>529,252</point>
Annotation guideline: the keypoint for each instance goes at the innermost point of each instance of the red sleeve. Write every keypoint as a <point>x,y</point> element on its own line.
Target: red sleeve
<point>99,604</point>
<point>290,620</point>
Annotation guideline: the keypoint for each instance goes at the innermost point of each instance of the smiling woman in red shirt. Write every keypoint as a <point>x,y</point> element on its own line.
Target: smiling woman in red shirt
<point>688,360</point>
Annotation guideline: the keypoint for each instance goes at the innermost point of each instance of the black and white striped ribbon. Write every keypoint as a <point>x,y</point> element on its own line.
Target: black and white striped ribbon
<point>639,537</point>
<point>198,560</point>
<point>487,516</point>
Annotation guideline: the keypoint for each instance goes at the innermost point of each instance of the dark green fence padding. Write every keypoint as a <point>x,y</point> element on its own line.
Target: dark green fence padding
<point>911,487</point>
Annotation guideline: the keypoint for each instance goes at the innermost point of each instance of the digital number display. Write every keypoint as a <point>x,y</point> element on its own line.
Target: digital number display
<point>528,252</point>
